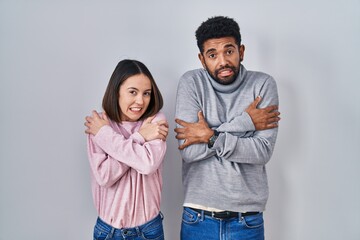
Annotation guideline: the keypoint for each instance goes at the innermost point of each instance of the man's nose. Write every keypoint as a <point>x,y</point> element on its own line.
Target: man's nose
<point>222,60</point>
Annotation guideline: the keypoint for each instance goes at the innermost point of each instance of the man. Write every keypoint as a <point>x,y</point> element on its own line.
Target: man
<point>227,126</point>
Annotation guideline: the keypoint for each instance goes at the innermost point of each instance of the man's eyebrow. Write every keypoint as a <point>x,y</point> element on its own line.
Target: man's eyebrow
<point>210,50</point>
<point>229,45</point>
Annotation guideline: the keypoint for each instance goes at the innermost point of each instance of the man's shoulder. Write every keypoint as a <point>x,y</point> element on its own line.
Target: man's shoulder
<point>194,74</point>
<point>258,76</point>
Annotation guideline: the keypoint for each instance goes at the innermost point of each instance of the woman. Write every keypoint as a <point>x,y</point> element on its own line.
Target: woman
<point>126,147</point>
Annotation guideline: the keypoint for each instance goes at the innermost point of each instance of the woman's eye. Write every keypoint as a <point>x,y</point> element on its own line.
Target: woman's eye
<point>132,92</point>
<point>147,94</point>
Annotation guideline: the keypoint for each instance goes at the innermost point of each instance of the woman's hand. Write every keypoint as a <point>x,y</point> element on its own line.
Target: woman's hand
<point>95,122</point>
<point>154,130</point>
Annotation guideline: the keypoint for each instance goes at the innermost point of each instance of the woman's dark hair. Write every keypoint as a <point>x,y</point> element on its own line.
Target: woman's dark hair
<point>217,27</point>
<point>125,69</point>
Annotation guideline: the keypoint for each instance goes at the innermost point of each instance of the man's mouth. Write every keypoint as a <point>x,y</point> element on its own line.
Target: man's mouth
<point>225,72</point>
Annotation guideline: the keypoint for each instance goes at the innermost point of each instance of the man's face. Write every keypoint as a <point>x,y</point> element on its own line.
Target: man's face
<point>221,58</point>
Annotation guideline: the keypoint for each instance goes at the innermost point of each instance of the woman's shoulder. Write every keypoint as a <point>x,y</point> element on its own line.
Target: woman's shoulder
<point>160,116</point>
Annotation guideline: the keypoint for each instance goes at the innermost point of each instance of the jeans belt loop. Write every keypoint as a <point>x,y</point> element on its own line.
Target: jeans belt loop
<point>111,234</point>
<point>138,231</point>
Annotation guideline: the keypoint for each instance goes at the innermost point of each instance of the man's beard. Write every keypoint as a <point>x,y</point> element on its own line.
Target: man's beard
<point>225,81</point>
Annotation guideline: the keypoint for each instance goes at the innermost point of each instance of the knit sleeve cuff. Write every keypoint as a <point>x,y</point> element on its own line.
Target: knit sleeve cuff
<point>248,123</point>
<point>138,138</point>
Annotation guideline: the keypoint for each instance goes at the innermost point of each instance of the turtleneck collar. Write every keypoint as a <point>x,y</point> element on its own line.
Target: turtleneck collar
<point>231,87</point>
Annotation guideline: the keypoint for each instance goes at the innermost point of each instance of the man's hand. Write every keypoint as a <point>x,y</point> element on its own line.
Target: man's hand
<point>192,133</point>
<point>95,122</point>
<point>263,118</point>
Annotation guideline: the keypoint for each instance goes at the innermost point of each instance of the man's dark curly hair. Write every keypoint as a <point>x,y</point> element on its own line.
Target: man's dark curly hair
<point>217,27</point>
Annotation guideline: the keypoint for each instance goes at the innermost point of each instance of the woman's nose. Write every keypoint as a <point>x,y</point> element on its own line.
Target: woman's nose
<point>139,99</point>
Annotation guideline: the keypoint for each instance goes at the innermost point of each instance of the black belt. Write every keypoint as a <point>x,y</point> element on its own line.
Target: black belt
<point>224,214</point>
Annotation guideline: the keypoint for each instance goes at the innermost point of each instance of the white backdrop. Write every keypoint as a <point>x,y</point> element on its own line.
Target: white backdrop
<point>56,58</point>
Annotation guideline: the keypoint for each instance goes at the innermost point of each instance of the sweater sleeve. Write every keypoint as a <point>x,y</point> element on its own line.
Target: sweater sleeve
<point>104,168</point>
<point>257,148</point>
<point>144,157</point>
<point>240,124</point>
<point>187,108</point>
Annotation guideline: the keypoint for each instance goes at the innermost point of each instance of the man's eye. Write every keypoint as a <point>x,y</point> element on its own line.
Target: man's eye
<point>229,52</point>
<point>212,55</point>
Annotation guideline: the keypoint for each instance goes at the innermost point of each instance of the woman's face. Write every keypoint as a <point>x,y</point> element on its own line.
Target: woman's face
<point>134,97</point>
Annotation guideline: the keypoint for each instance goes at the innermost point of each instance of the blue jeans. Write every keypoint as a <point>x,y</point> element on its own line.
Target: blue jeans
<point>151,230</point>
<point>198,226</point>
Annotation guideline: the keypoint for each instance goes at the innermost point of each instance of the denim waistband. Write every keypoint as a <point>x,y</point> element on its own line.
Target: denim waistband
<point>126,232</point>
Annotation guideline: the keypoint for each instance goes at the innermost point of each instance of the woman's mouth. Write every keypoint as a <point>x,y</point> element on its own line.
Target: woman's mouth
<point>135,109</point>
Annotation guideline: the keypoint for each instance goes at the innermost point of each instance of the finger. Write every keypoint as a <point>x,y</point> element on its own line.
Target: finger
<point>162,123</point>
<point>256,102</point>
<point>180,136</point>
<point>271,108</point>
<point>272,125</point>
<point>181,122</point>
<point>201,116</point>
<point>184,145</point>
<point>274,114</point>
<point>162,137</point>
<point>149,119</point>
<point>105,117</point>
<point>164,133</point>
<point>95,114</point>
<point>273,120</point>
<point>179,130</point>
<point>269,115</point>
<point>163,128</point>
<point>181,147</point>
<point>88,119</point>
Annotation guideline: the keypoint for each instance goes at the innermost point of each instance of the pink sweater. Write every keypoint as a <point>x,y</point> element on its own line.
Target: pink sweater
<point>126,174</point>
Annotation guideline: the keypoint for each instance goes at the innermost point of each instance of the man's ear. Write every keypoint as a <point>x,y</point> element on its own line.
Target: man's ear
<point>242,52</point>
<point>202,60</point>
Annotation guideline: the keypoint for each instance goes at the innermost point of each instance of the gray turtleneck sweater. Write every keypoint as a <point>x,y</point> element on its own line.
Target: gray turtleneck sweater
<point>231,175</point>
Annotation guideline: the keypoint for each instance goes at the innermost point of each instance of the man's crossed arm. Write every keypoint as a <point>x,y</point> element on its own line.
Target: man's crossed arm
<point>200,132</point>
